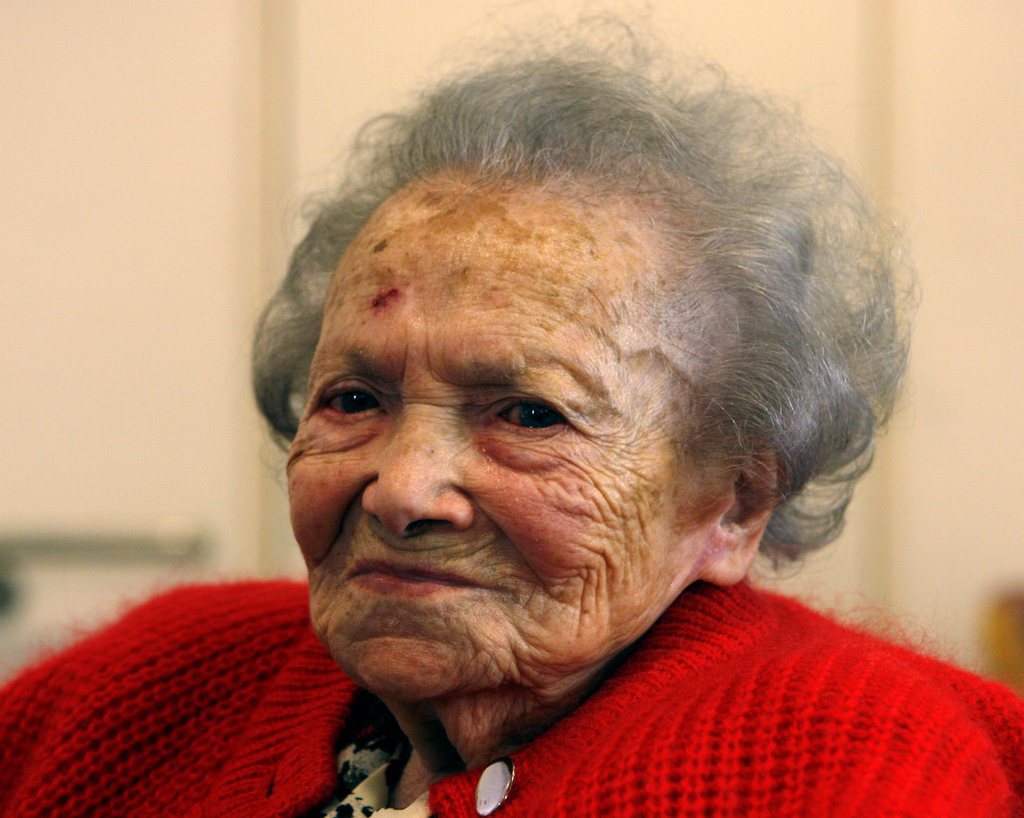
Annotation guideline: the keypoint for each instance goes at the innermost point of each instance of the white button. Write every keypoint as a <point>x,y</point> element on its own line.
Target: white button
<point>494,785</point>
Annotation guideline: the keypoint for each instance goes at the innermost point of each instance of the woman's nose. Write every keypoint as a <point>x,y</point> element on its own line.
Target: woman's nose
<point>417,486</point>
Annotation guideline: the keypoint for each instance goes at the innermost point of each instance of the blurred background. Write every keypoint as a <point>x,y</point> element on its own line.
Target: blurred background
<point>155,158</point>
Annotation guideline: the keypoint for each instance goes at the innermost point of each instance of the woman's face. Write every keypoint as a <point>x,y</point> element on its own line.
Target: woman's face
<point>487,484</point>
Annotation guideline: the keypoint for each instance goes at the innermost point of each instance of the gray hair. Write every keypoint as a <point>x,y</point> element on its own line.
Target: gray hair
<point>784,287</point>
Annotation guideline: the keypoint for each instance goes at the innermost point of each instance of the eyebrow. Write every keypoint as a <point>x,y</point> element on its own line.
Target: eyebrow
<point>592,385</point>
<point>515,369</point>
<point>489,373</point>
<point>353,361</point>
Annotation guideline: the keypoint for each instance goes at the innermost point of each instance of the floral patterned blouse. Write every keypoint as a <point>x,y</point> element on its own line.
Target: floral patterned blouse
<point>369,767</point>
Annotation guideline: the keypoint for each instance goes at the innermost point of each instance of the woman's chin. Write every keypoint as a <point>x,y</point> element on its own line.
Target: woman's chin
<point>404,668</point>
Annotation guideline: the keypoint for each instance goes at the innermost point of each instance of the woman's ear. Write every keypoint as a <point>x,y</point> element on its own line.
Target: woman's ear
<point>745,511</point>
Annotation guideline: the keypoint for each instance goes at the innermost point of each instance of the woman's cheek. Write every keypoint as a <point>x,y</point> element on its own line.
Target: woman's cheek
<point>557,521</point>
<point>329,465</point>
<point>321,489</point>
<point>512,450</point>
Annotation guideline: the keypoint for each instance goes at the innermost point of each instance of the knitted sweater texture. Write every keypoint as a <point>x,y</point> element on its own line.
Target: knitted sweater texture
<point>219,701</point>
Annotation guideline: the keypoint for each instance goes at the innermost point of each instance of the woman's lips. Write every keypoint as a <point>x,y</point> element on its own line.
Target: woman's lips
<point>387,578</point>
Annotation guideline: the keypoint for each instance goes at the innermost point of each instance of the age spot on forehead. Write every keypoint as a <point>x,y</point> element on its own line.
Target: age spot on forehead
<point>380,245</point>
<point>430,199</point>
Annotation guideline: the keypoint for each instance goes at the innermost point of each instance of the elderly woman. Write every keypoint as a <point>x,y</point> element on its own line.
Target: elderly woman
<point>566,351</point>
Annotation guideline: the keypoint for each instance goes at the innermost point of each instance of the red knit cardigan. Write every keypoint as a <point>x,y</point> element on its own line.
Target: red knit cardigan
<point>219,701</point>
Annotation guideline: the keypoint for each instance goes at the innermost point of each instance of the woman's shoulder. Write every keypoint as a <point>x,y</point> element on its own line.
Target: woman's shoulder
<point>749,704</point>
<point>742,703</point>
<point>205,627</point>
<point>882,662</point>
<point>196,617</point>
<point>179,676</point>
<point>849,713</point>
<point>186,611</point>
<point>811,669</point>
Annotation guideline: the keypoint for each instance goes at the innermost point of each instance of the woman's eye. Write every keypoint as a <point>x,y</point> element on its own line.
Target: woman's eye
<point>532,415</point>
<point>353,401</point>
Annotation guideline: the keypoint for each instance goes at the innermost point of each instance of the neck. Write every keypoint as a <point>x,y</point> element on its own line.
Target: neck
<point>471,730</point>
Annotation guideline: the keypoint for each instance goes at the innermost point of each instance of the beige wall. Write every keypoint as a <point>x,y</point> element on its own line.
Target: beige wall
<point>130,181</point>
<point>129,222</point>
<point>162,152</point>
<point>958,176</point>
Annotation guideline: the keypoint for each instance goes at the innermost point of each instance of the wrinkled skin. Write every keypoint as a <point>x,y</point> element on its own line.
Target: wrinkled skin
<point>488,485</point>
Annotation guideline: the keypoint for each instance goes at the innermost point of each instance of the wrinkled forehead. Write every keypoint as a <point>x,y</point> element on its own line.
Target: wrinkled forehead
<point>501,245</point>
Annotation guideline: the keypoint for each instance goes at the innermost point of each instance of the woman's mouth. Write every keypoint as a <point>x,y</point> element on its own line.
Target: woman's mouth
<point>387,578</point>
